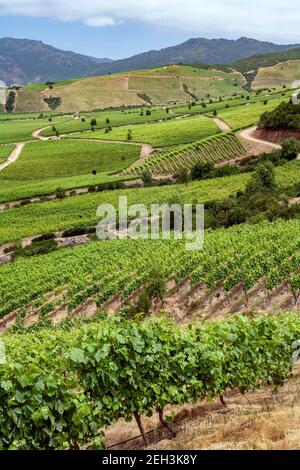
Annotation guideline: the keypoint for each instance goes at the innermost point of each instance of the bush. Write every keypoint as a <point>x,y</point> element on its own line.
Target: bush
<point>147,177</point>
<point>93,122</point>
<point>263,179</point>
<point>290,149</point>
<point>183,176</point>
<point>202,170</point>
<point>60,193</point>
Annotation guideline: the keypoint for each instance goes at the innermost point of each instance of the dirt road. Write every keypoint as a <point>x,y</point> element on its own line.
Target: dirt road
<point>13,156</point>
<point>223,126</point>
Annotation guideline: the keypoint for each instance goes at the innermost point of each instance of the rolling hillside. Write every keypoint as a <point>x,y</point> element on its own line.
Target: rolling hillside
<point>164,85</point>
<point>251,67</point>
<point>284,73</point>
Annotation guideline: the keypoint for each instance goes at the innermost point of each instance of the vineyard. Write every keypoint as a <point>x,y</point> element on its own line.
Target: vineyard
<point>173,132</point>
<point>106,118</point>
<point>54,159</point>
<point>245,116</point>
<point>18,131</point>
<point>98,333</point>
<point>266,254</point>
<point>80,211</point>
<point>215,149</point>
<point>62,390</point>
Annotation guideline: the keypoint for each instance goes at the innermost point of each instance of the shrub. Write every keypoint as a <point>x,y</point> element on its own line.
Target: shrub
<point>60,193</point>
<point>93,122</point>
<point>202,170</point>
<point>290,149</point>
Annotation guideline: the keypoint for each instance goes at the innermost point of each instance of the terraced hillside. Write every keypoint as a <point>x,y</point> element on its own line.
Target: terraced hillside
<point>162,85</point>
<point>214,149</point>
<point>265,254</point>
<point>282,74</point>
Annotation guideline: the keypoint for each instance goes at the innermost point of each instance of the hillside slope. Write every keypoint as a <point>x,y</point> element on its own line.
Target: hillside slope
<point>250,68</point>
<point>164,85</point>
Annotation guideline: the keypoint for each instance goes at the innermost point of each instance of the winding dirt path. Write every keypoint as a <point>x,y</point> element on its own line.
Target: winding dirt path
<point>247,134</point>
<point>37,133</point>
<point>263,145</point>
<point>223,126</point>
<point>13,156</point>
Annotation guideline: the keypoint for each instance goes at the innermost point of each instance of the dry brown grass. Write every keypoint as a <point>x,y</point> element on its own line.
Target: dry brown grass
<point>281,74</point>
<point>258,421</point>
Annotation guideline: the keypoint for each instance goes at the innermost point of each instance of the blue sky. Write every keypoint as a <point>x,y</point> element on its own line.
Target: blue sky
<point>111,41</point>
<point>121,28</point>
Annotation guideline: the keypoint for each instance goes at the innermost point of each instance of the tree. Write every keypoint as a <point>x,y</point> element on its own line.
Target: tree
<point>202,170</point>
<point>148,112</point>
<point>147,177</point>
<point>183,176</point>
<point>107,120</point>
<point>93,122</point>
<point>290,149</point>
<point>215,112</point>
<point>129,134</point>
<point>263,179</point>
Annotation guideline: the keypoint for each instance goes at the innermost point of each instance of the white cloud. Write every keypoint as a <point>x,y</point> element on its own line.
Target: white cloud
<point>100,21</point>
<point>274,19</point>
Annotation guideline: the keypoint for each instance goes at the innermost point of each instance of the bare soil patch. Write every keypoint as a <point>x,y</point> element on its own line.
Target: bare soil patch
<point>276,136</point>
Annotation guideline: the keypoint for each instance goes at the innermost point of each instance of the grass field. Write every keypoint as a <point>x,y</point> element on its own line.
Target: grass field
<point>18,131</point>
<point>173,132</point>
<point>5,151</point>
<point>245,116</point>
<point>284,73</point>
<point>57,159</point>
<point>77,211</point>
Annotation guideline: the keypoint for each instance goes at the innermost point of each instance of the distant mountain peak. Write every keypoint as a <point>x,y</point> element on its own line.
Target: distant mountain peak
<point>25,61</point>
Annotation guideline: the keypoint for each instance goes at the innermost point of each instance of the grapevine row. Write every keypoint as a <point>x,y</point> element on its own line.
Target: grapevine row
<point>217,149</point>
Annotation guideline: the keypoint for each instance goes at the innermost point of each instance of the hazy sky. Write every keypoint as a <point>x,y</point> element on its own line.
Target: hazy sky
<point>120,28</point>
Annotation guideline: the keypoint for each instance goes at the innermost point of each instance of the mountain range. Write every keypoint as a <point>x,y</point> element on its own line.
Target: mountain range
<point>24,61</point>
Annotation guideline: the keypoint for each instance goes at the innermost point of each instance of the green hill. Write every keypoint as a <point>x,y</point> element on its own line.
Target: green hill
<point>163,85</point>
